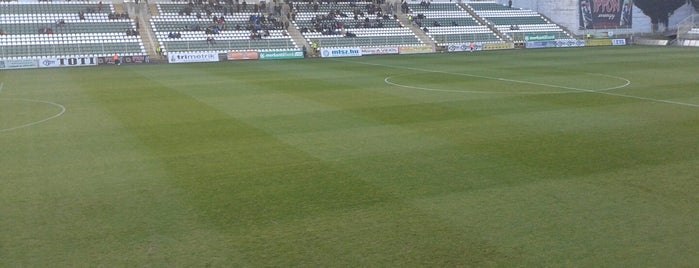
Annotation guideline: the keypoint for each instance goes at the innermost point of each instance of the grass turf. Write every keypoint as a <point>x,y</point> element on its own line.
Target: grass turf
<point>563,157</point>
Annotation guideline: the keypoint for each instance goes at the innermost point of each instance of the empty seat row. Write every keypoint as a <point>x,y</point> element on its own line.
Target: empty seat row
<point>434,7</point>
<point>55,29</point>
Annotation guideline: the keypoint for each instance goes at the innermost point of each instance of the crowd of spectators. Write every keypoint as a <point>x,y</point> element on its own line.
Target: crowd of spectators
<point>174,35</point>
<point>117,16</point>
<point>332,23</point>
<point>131,32</point>
<point>264,18</point>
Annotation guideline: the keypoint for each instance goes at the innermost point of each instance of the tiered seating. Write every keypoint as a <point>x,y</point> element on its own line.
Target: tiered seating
<point>56,30</point>
<point>517,23</point>
<point>328,25</point>
<point>235,33</point>
<point>694,33</point>
<point>448,23</point>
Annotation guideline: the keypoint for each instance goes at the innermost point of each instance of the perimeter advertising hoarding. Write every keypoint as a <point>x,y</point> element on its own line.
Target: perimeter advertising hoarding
<point>464,47</point>
<point>605,14</point>
<point>539,37</point>
<point>67,62</point>
<point>416,49</point>
<point>244,55</point>
<point>555,43</point>
<point>281,55</point>
<point>598,42</point>
<point>618,42</point>
<point>541,44</point>
<point>379,50</point>
<point>180,57</point>
<point>124,59</point>
<point>340,52</point>
<point>18,64</point>
<point>498,46</point>
<point>570,43</point>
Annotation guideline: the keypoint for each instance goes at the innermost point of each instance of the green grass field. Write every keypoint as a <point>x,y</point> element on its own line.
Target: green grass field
<point>541,158</point>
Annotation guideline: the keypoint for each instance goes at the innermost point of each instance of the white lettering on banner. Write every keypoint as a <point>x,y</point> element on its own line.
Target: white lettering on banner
<point>618,42</point>
<point>192,57</point>
<point>379,50</point>
<point>66,62</point>
<point>340,52</point>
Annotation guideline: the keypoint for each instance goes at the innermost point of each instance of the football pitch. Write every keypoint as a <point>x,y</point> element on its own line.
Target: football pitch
<point>585,157</point>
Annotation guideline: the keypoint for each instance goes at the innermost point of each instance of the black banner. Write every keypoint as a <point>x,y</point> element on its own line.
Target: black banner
<point>605,14</point>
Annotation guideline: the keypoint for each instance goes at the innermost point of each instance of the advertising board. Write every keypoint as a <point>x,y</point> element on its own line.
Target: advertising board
<point>498,46</point>
<point>379,50</point>
<point>464,47</point>
<point>416,49</point>
<point>243,55</point>
<point>67,62</point>
<point>539,37</point>
<point>605,14</point>
<point>281,55</point>
<point>598,42</point>
<point>18,64</point>
<point>340,52</point>
<point>618,42</point>
<point>189,57</point>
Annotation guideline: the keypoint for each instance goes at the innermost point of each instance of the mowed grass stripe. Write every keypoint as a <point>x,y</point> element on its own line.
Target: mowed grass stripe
<point>583,220</point>
<point>242,179</point>
<point>80,190</point>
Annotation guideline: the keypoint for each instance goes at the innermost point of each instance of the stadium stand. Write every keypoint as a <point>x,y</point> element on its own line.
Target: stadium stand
<point>221,28</point>
<point>448,23</point>
<point>516,23</point>
<point>694,32</point>
<point>37,30</point>
<point>352,24</point>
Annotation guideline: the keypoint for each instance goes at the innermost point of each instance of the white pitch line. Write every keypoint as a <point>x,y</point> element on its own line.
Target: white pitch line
<point>600,91</point>
<point>649,99</point>
<point>63,110</point>
<point>387,80</point>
